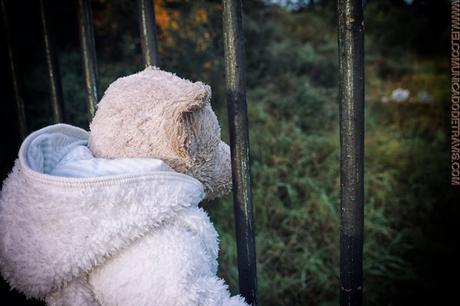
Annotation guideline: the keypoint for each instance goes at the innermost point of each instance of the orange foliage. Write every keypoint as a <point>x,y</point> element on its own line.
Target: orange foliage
<point>201,16</point>
<point>165,19</point>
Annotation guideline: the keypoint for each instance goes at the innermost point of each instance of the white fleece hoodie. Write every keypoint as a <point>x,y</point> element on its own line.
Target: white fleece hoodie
<point>78,230</point>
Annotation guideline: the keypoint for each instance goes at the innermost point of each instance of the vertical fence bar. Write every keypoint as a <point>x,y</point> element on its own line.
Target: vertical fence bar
<point>14,77</point>
<point>88,50</point>
<point>148,31</point>
<point>351,95</point>
<point>53,67</point>
<point>239,143</point>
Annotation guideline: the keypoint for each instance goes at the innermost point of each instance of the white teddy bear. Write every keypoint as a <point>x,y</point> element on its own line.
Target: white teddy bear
<point>111,217</point>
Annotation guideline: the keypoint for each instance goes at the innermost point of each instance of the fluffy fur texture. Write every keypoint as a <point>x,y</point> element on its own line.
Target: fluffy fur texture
<point>156,114</point>
<point>126,239</point>
<point>134,238</point>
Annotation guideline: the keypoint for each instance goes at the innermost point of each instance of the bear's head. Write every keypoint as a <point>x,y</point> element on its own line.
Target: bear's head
<point>156,114</point>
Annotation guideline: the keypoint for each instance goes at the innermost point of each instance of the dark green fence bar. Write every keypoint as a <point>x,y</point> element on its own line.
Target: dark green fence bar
<point>148,32</point>
<point>22,125</point>
<point>53,67</point>
<point>351,95</point>
<point>239,143</point>
<point>88,49</point>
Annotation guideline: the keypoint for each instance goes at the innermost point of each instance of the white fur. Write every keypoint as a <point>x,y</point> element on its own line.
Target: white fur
<point>127,239</point>
<point>157,114</point>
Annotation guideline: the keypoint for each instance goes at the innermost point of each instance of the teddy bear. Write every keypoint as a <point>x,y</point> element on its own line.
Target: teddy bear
<point>111,216</point>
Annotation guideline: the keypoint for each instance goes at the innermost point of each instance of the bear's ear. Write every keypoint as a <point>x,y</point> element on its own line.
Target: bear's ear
<point>194,98</point>
<point>186,139</point>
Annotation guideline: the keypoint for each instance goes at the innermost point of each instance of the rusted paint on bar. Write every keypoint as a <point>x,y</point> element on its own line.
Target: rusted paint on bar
<point>351,94</point>
<point>53,67</point>
<point>88,50</point>
<point>148,32</point>
<point>20,109</point>
<point>239,143</point>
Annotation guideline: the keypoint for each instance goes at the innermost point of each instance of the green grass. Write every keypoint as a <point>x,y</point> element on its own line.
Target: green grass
<point>295,168</point>
<point>293,117</point>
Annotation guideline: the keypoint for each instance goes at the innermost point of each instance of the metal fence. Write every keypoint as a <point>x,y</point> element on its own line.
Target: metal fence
<point>351,95</point>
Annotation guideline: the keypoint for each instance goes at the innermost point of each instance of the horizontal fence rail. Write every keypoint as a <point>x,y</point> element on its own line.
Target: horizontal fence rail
<point>148,32</point>
<point>20,109</point>
<point>351,95</point>
<point>239,145</point>
<point>88,50</point>
<point>53,67</point>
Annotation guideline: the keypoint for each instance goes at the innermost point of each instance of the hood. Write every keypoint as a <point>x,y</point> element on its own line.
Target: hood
<point>62,211</point>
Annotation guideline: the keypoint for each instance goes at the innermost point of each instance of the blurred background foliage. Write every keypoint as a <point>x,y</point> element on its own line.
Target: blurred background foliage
<point>291,57</point>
